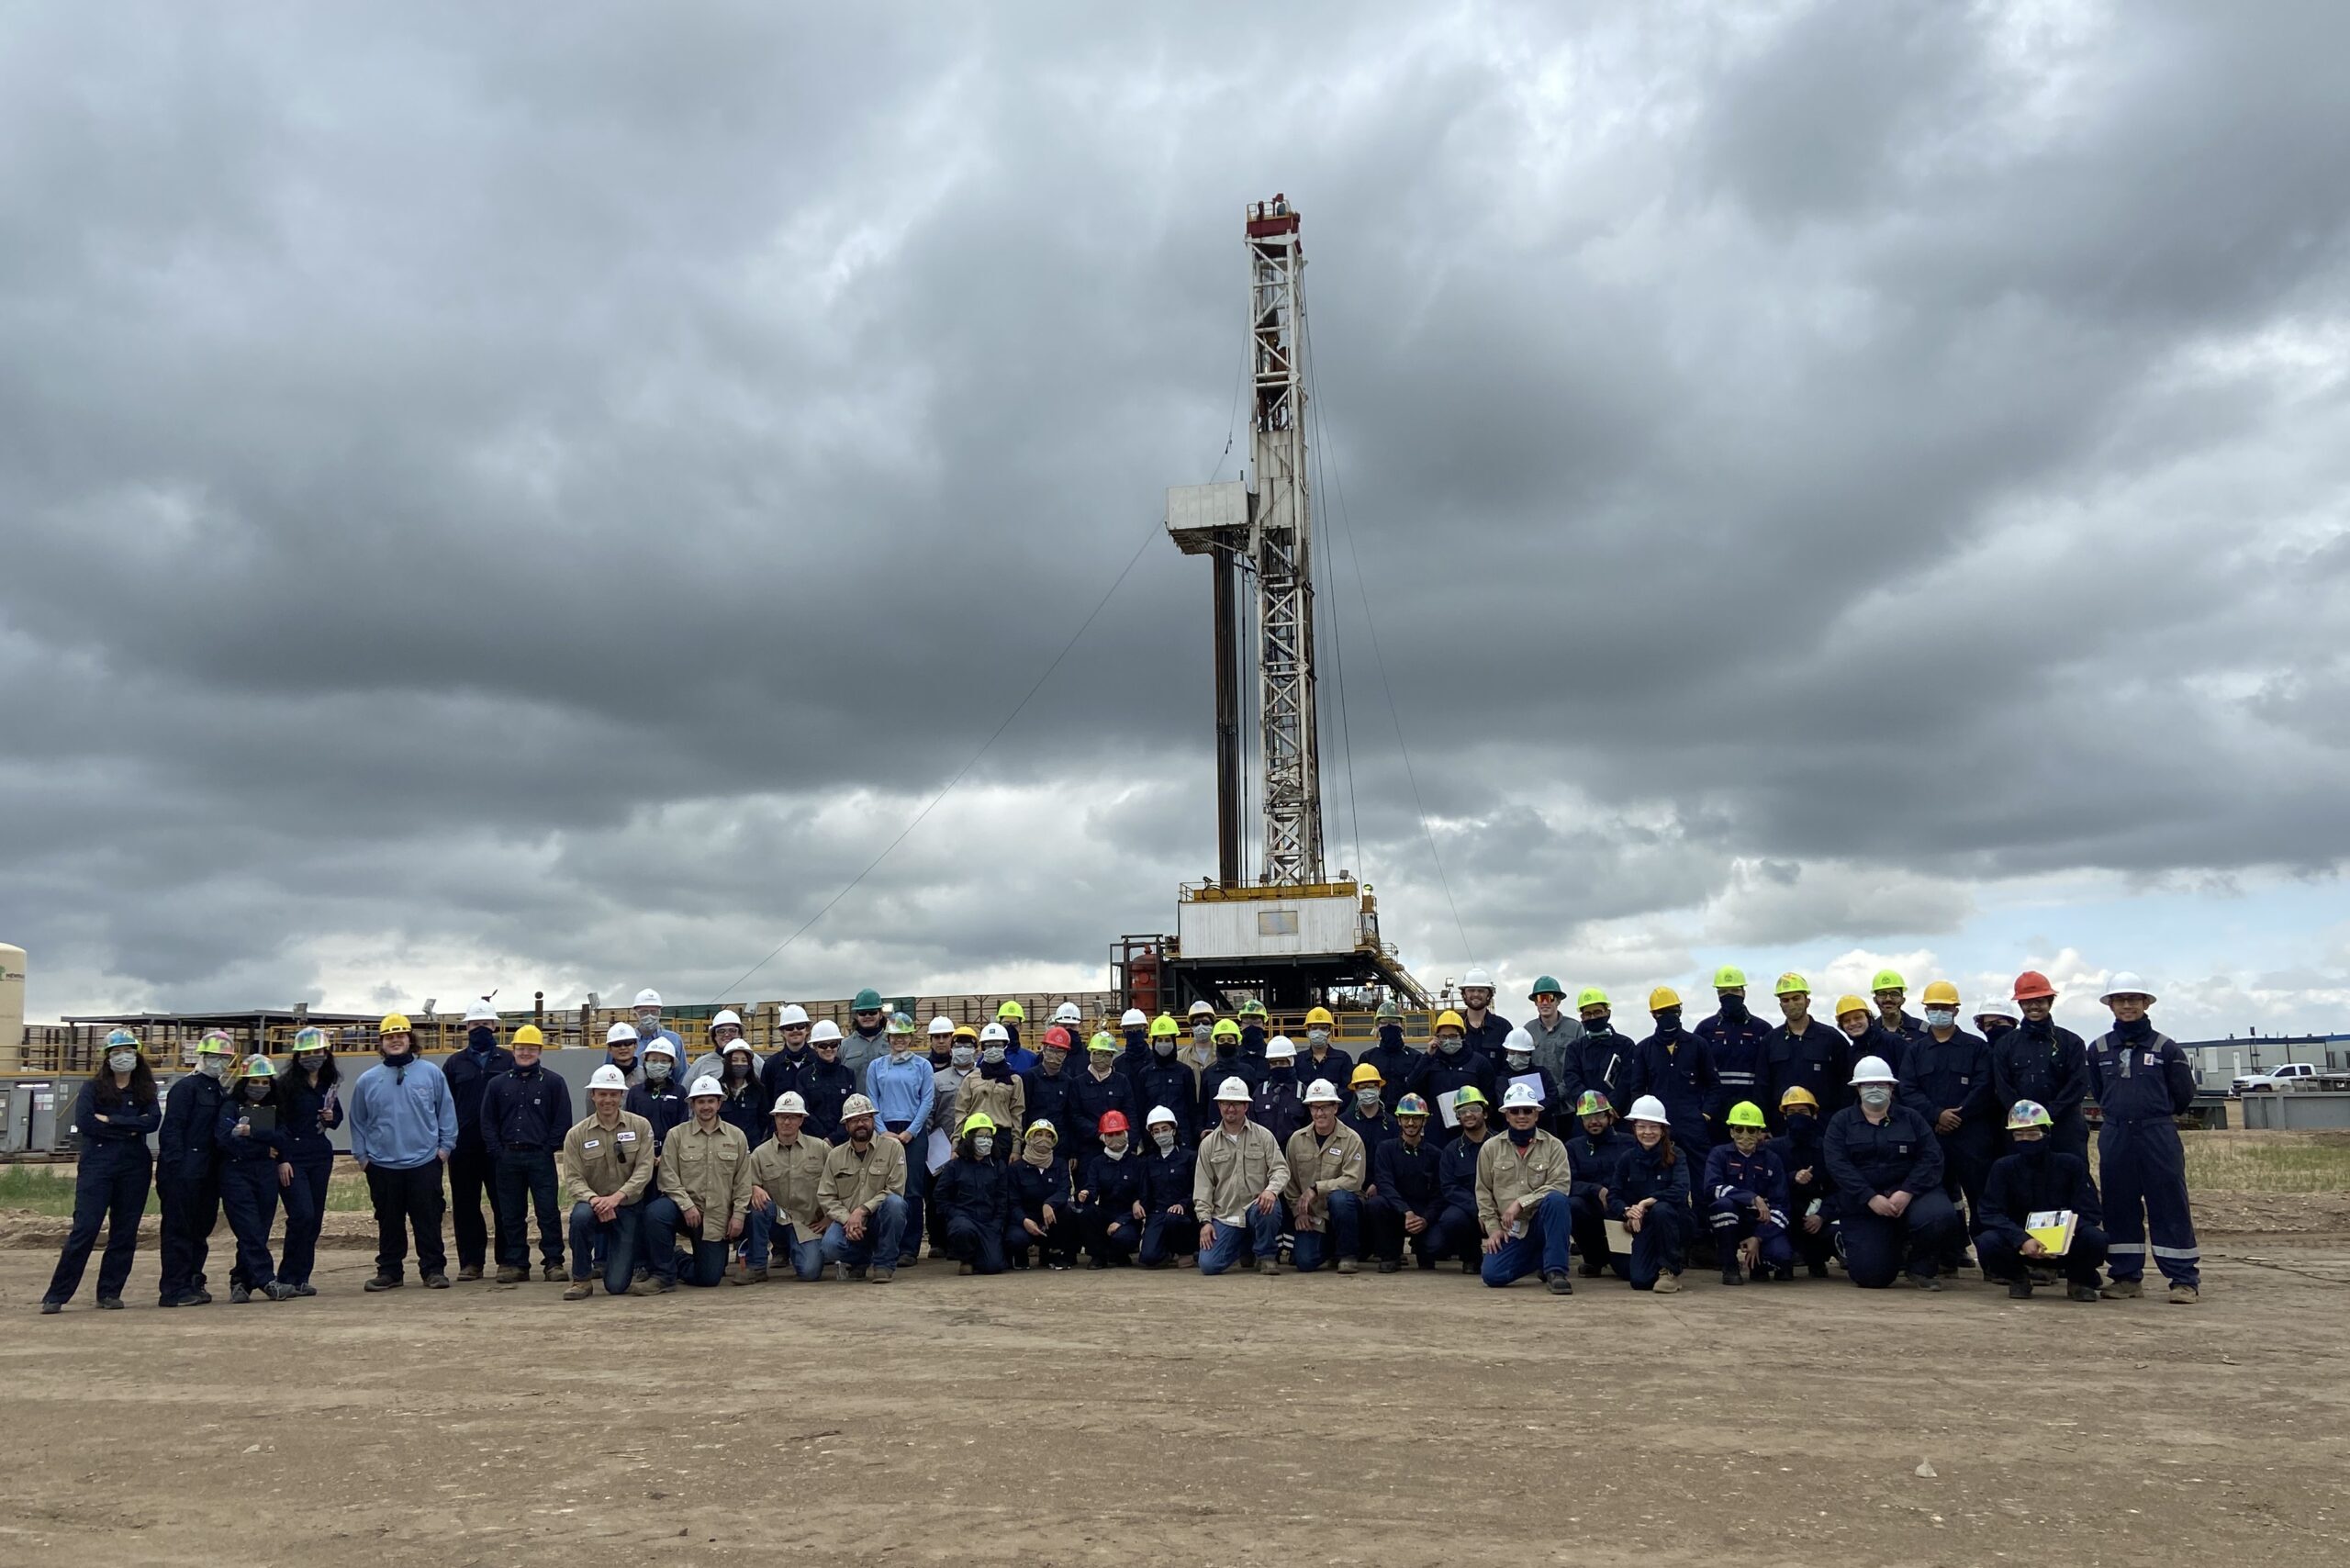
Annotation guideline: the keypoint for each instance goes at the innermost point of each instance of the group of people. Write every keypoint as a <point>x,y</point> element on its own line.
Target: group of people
<point>1885,1141</point>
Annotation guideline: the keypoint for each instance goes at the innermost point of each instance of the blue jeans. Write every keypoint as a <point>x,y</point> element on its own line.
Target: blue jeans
<point>768,1232</point>
<point>615,1237</point>
<point>1261,1234</point>
<point>885,1227</point>
<point>917,1183</point>
<point>1341,1238</point>
<point>662,1223</point>
<point>1549,1222</point>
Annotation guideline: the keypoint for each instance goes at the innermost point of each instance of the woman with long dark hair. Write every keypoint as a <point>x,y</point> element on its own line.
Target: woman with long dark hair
<point>251,1137</point>
<point>113,1115</point>
<point>313,1108</point>
<point>1651,1195</point>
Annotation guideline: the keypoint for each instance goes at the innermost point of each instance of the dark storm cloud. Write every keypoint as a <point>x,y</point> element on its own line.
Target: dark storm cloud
<point>561,495</point>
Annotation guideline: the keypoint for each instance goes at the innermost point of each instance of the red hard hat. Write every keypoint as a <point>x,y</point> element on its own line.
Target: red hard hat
<point>1112,1122</point>
<point>2032,984</point>
<point>1057,1035</point>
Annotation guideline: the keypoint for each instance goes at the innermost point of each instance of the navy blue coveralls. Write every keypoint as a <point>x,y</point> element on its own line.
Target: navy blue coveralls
<point>525,1114</point>
<point>1457,1233</point>
<point>1739,1045</point>
<point>1106,1218</point>
<point>1170,1083</point>
<point>1172,1230</point>
<point>1437,1075</point>
<point>2039,1061</point>
<point>471,1177</point>
<point>1956,1075</point>
<point>1662,1244</point>
<point>1601,1060</point>
<point>1089,1100</point>
<point>1395,1061</point>
<point>2142,1080</point>
<point>1033,1188</point>
<point>1591,1165</point>
<point>187,1181</point>
<point>1801,1155</point>
<point>1336,1066</point>
<point>1872,1159</point>
<point>975,1197</point>
<point>110,1183</point>
<point>1486,1039</point>
<point>249,1184</point>
<point>2039,1177</point>
<point>1678,1069</point>
<point>1732,1183</point>
<point>1410,1182</point>
<point>1819,1059</point>
<point>309,1116</point>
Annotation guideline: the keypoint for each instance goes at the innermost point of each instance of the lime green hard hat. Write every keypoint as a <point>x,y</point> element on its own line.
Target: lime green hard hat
<point>1746,1114</point>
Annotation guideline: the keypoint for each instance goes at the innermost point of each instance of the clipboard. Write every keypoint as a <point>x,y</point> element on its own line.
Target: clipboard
<point>938,1151</point>
<point>1619,1240</point>
<point>1444,1106</point>
<point>2052,1229</point>
<point>261,1118</point>
<point>1532,1082</point>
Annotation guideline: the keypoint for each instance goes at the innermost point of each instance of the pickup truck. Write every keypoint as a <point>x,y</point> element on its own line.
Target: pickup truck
<point>2288,1075</point>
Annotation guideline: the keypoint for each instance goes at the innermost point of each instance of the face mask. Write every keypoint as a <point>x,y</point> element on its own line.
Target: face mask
<point>1876,1098</point>
<point>1317,1036</point>
<point>648,1025</point>
<point>1162,1046</point>
<point>1668,1020</point>
<point>1163,1138</point>
<point>737,1068</point>
<point>1598,1027</point>
<point>1137,1039</point>
<point>1519,1060</point>
<point>1226,1048</point>
<point>256,1091</point>
<point>211,1067</point>
<point>123,1061</point>
<point>963,1055</point>
<point>1734,1009</point>
<point>1367,1098</point>
<point>657,1067</point>
<point>1390,1035</point>
<point>992,1055</point>
<point>1450,1045</point>
<point>1200,1032</point>
<point>311,1064</point>
<point>1522,1137</point>
<point>982,1145</point>
<point>1994,1027</point>
<point>481,1039</point>
<point>1281,1072</point>
<point>1940,1017</point>
<point>1252,1035</point>
<point>1115,1148</point>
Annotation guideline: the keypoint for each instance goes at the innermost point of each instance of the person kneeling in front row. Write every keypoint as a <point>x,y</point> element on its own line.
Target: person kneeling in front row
<point>973,1191</point>
<point>2038,1178</point>
<point>1237,1186</point>
<point>1524,1200</point>
<point>606,1167</point>
<point>862,1192</point>
<point>1888,1168</point>
<point>705,1176</point>
<point>1651,1195</point>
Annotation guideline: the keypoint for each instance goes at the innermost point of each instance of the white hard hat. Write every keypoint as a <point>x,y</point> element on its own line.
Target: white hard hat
<point>1518,1096</point>
<point>1872,1069</point>
<point>743,1046</point>
<point>1321,1092</point>
<point>790,1103</point>
<point>791,1015</point>
<point>608,1076</point>
<point>1281,1047</point>
<point>993,1035</point>
<point>1233,1088</point>
<point>480,1012</point>
<point>1648,1108</point>
<point>1134,1018</point>
<point>825,1029</point>
<point>855,1106</point>
<point>1159,1113</point>
<point>942,1025</point>
<point>1199,1007</point>
<point>1518,1041</point>
<point>660,1047</point>
<point>620,1032</point>
<point>2125,983</point>
<point>648,997</point>
<point>1067,1013</point>
<point>1475,978</point>
<point>726,1016</point>
<point>1997,1007</point>
<point>705,1086</point>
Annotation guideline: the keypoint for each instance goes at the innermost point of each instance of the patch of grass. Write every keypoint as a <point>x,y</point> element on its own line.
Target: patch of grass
<point>2259,1161</point>
<point>49,1189</point>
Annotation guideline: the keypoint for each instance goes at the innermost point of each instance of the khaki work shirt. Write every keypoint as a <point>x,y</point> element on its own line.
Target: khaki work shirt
<point>1005,1102</point>
<point>853,1181</point>
<point>1322,1168</point>
<point>597,1161</point>
<point>707,1170</point>
<point>1506,1176</point>
<point>1232,1170</point>
<point>791,1174</point>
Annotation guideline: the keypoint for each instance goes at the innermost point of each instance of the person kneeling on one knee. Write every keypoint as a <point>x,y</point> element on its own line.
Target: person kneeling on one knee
<point>1326,1167</point>
<point>2036,1181</point>
<point>606,1167</point>
<point>1237,1185</point>
<point>1524,1198</point>
<point>1887,1166</point>
<point>1746,1193</point>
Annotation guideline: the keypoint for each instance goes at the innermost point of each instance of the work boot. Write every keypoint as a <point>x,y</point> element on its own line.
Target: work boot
<point>1666,1284</point>
<point>1267,1267</point>
<point>469,1272</point>
<point>1732,1274</point>
<point>755,1276</point>
<point>1469,1265</point>
<point>1391,1265</point>
<point>239,1295</point>
<point>1427,1264</point>
<point>852,1271</point>
<point>580,1290</point>
<point>2180,1295</point>
<point>650,1286</point>
<point>2122,1290</point>
<point>1922,1281</point>
<point>2019,1290</point>
<point>1349,1266</point>
<point>881,1276</point>
<point>1817,1270</point>
<point>1095,1263</point>
<point>276,1289</point>
<point>2080,1292</point>
<point>436,1281</point>
<point>305,1288</point>
<point>506,1275</point>
<point>2043,1276</point>
<point>114,1302</point>
<point>964,1268</point>
<point>384,1282</point>
<point>1591,1268</point>
<point>552,1271</point>
<point>202,1297</point>
<point>51,1308</point>
<point>907,1260</point>
<point>1558,1283</point>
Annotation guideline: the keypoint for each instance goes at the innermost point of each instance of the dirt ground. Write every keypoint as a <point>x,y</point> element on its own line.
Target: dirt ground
<point>1133,1417</point>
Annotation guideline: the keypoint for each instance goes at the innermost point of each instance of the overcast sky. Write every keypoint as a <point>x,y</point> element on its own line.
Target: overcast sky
<point>540,500</point>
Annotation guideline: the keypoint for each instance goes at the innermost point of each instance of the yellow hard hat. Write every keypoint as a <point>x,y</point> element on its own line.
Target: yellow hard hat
<point>1662,997</point>
<point>1589,996</point>
<point>1365,1076</point>
<point>964,1032</point>
<point>1798,1095</point>
<point>1225,1029</point>
<point>1449,1019</point>
<point>1011,1010</point>
<point>1745,1113</point>
<point>394,1023</point>
<point>1791,984</point>
<point>977,1122</point>
<point>1850,1004</point>
<point>1728,976</point>
<point>1319,1015</point>
<point>1164,1025</point>
<point>528,1035</point>
<point>1942,992</point>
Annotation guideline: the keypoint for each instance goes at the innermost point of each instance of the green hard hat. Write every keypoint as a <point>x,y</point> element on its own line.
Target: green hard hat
<point>1546,985</point>
<point>1594,1103</point>
<point>1387,1009</point>
<point>867,1001</point>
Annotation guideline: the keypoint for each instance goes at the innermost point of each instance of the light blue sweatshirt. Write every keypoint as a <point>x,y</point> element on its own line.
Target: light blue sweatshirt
<point>903,1090</point>
<point>402,1117</point>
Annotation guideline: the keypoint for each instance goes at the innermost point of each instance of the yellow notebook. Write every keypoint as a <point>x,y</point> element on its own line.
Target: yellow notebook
<point>2052,1229</point>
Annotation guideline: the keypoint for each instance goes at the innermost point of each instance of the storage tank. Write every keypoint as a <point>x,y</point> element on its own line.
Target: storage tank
<point>12,1008</point>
